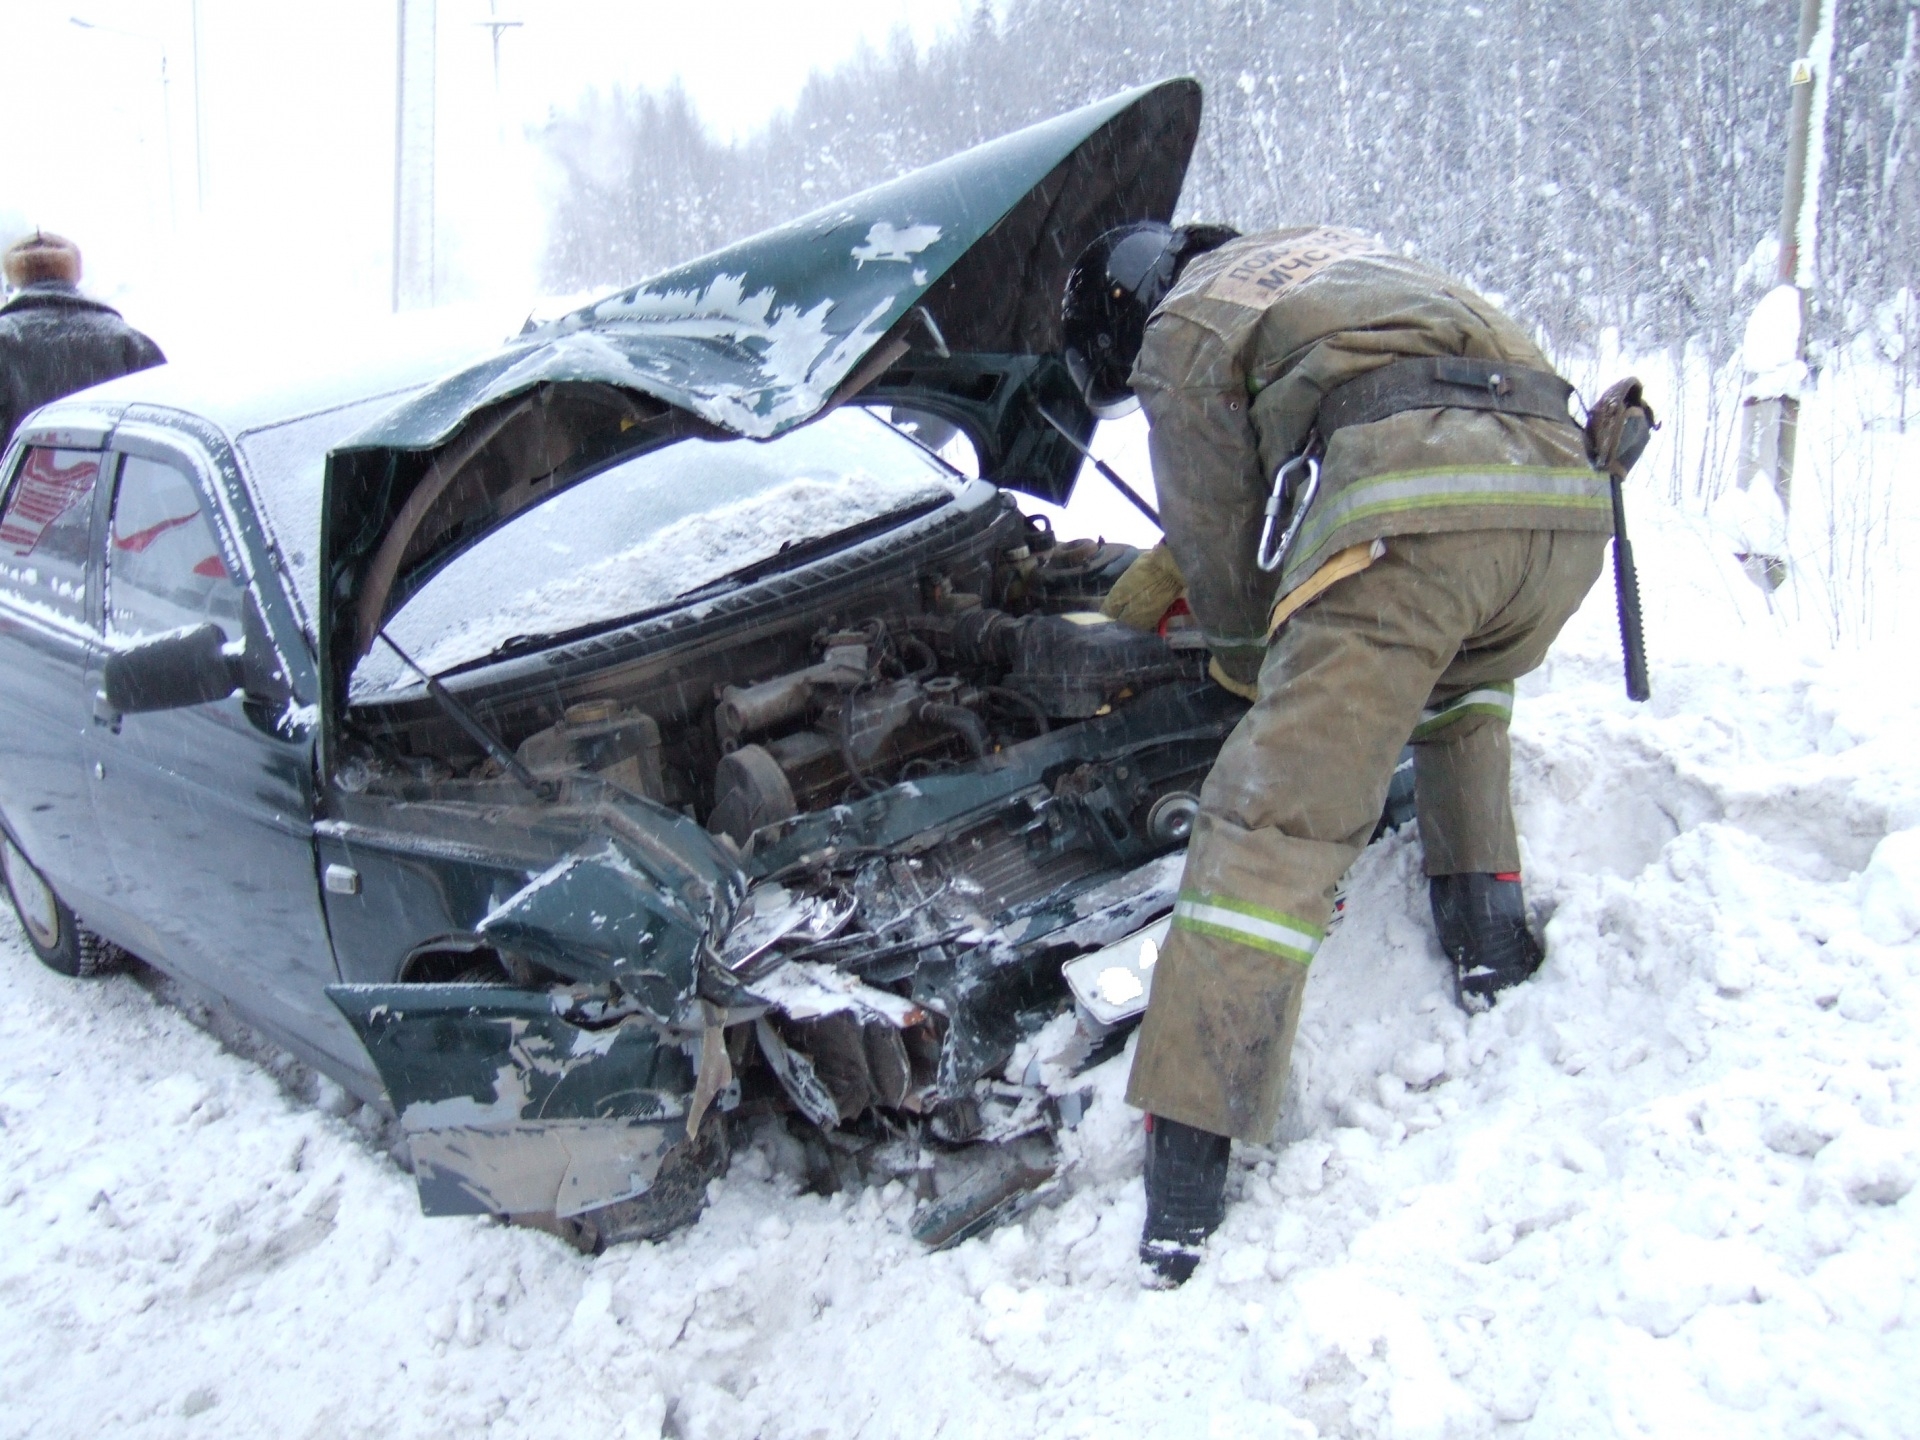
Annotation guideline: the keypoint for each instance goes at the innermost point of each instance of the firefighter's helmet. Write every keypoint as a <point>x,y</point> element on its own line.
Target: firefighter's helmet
<point>1111,290</point>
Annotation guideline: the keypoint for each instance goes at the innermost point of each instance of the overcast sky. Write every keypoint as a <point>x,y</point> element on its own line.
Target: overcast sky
<point>290,203</point>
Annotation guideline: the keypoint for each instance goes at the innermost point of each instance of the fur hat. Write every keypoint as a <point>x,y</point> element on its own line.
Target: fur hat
<point>41,257</point>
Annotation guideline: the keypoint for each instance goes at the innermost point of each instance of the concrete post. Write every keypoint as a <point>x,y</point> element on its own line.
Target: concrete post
<point>1770,406</point>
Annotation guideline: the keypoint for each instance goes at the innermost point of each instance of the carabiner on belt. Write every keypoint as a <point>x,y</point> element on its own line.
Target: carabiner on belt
<point>1274,560</point>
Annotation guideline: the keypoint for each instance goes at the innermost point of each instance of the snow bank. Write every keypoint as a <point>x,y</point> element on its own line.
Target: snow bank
<point>1666,1188</point>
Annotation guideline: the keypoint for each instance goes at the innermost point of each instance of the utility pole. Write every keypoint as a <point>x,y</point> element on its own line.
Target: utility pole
<point>166,102</point>
<point>1776,348</point>
<point>399,142</point>
<point>414,241</point>
<point>495,25</point>
<point>199,135</point>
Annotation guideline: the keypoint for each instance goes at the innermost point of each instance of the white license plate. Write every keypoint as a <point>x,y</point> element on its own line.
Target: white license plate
<point>1112,985</point>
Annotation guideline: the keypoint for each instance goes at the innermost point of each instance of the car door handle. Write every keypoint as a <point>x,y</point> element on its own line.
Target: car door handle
<point>104,714</point>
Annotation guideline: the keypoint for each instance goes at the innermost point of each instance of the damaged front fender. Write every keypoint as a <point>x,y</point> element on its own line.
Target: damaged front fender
<point>521,1102</point>
<point>557,1101</point>
<point>596,917</point>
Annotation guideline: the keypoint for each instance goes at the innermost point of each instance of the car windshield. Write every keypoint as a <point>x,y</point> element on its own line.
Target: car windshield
<point>289,462</point>
<point>643,533</point>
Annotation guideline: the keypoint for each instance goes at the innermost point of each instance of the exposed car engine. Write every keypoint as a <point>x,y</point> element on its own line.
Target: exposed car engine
<point>893,702</point>
<point>940,794</point>
<point>892,697</point>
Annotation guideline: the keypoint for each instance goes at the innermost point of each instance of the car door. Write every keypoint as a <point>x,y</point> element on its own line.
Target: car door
<point>48,646</point>
<point>208,808</point>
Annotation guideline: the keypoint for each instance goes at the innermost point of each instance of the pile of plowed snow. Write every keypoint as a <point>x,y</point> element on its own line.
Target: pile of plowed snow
<point>1666,1188</point>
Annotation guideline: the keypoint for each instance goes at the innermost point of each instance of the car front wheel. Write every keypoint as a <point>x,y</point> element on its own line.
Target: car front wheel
<point>58,939</point>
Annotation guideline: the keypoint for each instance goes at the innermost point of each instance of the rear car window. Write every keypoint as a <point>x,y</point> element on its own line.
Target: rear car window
<point>641,534</point>
<point>164,566</point>
<point>46,528</point>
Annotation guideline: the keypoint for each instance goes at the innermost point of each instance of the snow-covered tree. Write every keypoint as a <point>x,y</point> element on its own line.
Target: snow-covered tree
<point>1604,165</point>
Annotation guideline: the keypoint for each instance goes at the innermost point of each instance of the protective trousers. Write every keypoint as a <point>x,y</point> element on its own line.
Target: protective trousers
<point>1426,642</point>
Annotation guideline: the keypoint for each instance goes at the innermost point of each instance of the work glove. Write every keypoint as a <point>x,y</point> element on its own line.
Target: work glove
<point>1151,586</point>
<point>1150,590</point>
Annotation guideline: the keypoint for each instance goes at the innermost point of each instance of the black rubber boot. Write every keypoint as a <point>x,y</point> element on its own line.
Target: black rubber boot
<point>1186,1195</point>
<point>1482,920</point>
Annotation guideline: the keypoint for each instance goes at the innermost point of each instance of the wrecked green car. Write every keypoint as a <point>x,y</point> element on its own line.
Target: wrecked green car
<point>637,729</point>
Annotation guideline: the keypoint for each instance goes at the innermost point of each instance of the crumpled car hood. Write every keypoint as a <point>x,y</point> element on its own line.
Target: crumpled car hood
<point>757,337</point>
<point>957,262</point>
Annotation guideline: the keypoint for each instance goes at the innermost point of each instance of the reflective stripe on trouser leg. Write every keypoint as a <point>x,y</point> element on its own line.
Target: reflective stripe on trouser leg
<point>1495,701</point>
<point>1215,1047</point>
<point>1217,1042</point>
<point>1244,923</point>
<point>1463,800</point>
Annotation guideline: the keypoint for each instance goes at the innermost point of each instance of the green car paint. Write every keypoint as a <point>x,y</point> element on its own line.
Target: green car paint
<point>937,291</point>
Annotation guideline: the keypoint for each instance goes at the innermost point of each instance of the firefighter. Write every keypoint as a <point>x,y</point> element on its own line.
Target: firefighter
<point>53,339</point>
<point>1380,514</point>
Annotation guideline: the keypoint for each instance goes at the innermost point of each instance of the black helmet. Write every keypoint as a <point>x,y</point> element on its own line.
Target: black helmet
<point>1111,290</point>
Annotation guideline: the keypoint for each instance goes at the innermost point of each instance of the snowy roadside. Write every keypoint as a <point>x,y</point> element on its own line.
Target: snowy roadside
<point>1667,1188</point>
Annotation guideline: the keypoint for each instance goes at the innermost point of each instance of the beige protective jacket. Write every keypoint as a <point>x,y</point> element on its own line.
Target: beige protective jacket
<point>1231,372</point>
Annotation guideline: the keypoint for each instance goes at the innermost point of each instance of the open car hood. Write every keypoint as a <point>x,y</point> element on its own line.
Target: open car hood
<point>938,291</point>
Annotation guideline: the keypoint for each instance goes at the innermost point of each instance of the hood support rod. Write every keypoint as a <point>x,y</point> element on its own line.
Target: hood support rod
<point>466,720</point>
<point>1105,469</point>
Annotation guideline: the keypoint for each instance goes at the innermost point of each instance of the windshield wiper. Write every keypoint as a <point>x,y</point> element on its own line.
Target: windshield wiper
<point>465,719</point>
<point>799,552</point>
<point>514,645</point>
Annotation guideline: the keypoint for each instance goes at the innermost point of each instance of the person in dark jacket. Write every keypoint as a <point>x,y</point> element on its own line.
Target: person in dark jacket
<point>53,339</point>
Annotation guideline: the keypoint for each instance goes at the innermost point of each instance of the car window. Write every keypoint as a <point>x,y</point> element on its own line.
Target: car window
<point>943,437</point>
<point>164,566</point>
<point>45,530</point>
<point>289,466</point>
<point>665,523</point>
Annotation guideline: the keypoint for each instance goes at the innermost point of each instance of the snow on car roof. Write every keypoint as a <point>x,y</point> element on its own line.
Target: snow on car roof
<point>285,405</point>
<point>243,383</point>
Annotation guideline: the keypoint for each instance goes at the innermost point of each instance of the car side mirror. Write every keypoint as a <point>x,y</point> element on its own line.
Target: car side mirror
<point>171,672</point>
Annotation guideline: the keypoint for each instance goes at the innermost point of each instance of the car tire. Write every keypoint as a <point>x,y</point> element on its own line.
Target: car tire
<point>60,942</point>
<point>674,1200</point>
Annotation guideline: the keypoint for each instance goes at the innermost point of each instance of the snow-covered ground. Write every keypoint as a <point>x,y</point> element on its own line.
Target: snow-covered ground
<point>1667,1188</point>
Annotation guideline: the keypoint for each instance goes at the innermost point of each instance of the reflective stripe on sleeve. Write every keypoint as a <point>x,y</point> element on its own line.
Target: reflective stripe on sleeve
<point>1495,700</point>
<point>1225,918</point>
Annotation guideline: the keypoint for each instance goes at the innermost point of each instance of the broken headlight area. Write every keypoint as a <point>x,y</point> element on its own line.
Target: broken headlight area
<point>915,1002</point>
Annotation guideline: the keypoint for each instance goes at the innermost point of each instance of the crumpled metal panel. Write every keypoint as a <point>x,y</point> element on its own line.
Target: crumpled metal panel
<point>560,1101</point>
<point>510,1170</point>
<point>756,337</point>
<point>518,1101</point>
<point>595,917</point>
